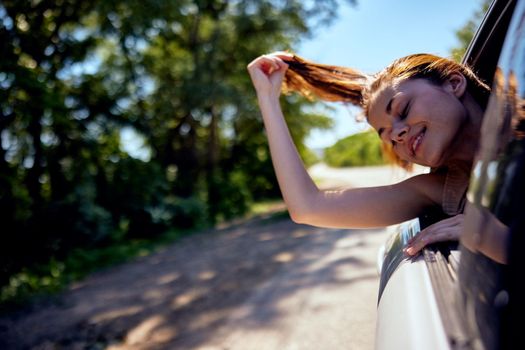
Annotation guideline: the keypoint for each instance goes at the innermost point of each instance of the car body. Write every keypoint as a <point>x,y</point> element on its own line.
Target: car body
<point>458,295</point>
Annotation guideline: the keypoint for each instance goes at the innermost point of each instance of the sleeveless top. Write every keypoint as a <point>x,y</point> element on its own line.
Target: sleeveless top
<point>457,177</point>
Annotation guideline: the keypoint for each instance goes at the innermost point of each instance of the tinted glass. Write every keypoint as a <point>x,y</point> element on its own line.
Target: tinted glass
<point>492,258</point>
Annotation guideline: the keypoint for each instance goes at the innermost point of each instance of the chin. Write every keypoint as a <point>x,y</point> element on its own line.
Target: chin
<point>435,159</point>
<point>431,162</point>
<point>436,163</point>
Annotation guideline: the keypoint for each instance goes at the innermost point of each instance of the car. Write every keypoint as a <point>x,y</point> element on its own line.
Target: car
<point>461,295</point>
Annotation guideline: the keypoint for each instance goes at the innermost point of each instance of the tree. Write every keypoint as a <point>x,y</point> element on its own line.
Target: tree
<point>76,73</point>
<point>466,33</point>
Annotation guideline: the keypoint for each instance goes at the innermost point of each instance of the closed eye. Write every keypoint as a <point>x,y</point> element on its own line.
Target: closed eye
<point>404,114</point>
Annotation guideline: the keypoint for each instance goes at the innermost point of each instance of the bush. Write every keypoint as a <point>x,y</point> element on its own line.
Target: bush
<point>356,150</point>
<point>183,213</point>
<point>235,196</point>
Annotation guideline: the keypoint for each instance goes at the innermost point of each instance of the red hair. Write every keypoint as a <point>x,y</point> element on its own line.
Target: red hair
<point>342,84</point>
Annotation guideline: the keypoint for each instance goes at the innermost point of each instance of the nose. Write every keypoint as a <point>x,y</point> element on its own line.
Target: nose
<point>399,133</point>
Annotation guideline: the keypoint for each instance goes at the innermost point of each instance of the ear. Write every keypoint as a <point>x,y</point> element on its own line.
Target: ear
<point>456,83</point>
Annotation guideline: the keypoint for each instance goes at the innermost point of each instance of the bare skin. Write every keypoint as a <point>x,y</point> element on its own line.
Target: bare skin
<point>427,124</point>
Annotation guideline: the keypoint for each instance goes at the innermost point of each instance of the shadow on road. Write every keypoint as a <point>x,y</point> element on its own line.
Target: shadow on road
<point>198,291</point>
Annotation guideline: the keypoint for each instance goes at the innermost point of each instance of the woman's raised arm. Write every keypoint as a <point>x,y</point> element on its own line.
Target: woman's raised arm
<point>361,207</point>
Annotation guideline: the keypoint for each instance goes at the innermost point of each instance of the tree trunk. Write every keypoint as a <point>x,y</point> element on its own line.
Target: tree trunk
<point>186,159</point>
<point>35,171</point>
<point>212,180</point>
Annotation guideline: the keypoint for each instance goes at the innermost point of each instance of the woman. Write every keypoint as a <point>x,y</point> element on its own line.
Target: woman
<point>426,109</point>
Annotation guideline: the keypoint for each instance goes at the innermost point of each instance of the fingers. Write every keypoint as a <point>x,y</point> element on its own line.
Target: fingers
<point>270,63</point>
<point>267,73</point>
<point>444,230</point>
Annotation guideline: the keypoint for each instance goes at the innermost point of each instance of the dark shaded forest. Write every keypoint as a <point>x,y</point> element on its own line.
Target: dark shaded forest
<point>124,120</point>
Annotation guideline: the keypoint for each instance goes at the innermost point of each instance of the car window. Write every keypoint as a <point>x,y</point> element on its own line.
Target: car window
<point>490,288</point>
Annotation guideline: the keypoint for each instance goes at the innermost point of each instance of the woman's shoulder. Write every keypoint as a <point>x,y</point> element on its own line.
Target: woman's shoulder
<point>429,185</point>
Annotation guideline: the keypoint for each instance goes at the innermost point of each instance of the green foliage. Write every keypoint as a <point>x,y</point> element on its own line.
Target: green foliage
<point>182,212</point>
<point>300,127</point>
<point>466,33</point>
<point>234,193</point>
<point>356,150</point>
<point>309,157</point>
<point>53,274</point>
<point>76,74</point>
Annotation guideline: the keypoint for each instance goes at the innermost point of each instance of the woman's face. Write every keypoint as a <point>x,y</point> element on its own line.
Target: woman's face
<point>423,121</point>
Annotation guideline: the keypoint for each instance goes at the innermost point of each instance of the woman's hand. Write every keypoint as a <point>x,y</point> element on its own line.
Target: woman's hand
<point>444,230</point>
<point>267,73</point>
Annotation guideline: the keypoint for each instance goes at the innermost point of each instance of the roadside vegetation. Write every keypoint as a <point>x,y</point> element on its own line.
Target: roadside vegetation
<point>362,149</point>
<point>126,125</point>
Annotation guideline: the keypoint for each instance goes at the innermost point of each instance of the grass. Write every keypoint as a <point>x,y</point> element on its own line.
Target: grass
<point>267,207</point>
<point>49,278</point>
<point>55,275</point>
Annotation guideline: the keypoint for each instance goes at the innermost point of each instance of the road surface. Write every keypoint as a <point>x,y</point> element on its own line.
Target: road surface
<point>264,283</point>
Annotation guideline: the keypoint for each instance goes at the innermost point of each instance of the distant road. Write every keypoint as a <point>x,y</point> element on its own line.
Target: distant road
<point>326,176</point>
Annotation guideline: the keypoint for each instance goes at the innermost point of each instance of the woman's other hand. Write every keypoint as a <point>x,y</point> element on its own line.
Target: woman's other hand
<point>444,230</point>
<point>267,73</point>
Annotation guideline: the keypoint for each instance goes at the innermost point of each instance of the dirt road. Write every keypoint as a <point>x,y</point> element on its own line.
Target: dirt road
<point>266,283</point>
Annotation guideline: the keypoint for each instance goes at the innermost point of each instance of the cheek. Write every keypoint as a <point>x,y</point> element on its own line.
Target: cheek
<point>447,112</point>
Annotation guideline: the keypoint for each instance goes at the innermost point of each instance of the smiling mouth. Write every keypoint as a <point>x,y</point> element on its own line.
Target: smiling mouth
<point>417,141</point>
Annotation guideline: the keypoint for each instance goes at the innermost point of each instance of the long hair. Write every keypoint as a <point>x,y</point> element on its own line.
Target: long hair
<point>326,82</point>
<point>342,84</point>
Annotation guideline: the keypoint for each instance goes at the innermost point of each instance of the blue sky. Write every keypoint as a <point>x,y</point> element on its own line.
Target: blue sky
<point>372,34</point>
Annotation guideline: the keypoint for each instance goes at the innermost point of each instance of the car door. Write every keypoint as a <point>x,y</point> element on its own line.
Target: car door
<point>450,298</point>
<point>492,264</point>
